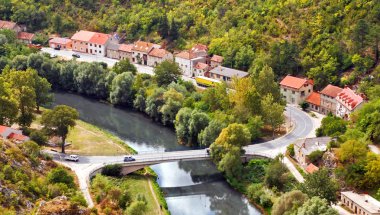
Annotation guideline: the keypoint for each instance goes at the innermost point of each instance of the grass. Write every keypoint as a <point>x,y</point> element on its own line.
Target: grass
<point>87,139</point>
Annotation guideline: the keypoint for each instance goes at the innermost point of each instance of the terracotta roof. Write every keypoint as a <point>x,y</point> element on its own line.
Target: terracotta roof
<point>201,66</point>
<point>20,137</point>
<point>126,47</point>
<point>160,53</point>
<point>100,38</point>
<point>60,40</point>
<point>186,55</point>
<point>3,128</point>
<point>331,90</point>
<point>311,168</point>
<point>294,82</point>
<point>349,98</point>
<point>83,36</point>
<point>142,46</point>
<point>7,25</point>
<point>217,58</point>
<point>314,98</point>
<point>25,36</point>
<point>199,48</point>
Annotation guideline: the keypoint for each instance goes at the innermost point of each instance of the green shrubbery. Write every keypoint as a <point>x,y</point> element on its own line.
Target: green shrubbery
<point>112,170</point>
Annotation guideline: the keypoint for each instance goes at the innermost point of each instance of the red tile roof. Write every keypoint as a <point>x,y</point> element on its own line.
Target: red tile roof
<point>25,36</point>
<point>201,66</point>
<point>349,98</point>
<point>126,47</point>
<point>142,46</point>
<point>311,168</point>
<point>3,128</point>
<point>217,58</point>
<point>160,53</point>
<point>294,82</point>
<point>314,98</point>
<point>199,47</point>
<point>60,40</point>
<point>100,38</point>
<point>83,36</point>
<point>7,25</point>
<point>20,137</point>
<point>186,55</point>
<point>331,90</point>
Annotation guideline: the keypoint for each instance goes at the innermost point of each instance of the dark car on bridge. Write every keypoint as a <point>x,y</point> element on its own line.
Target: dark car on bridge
<point>129,159</point>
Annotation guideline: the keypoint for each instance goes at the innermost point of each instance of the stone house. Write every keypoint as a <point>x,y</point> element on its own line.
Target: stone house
<point>328,101</point>
<point>295,90</point>
<point>216,60</point>
<point>314,101</point>
<point>141,50</point>
<point>157,56</point>
<point>304,147</point>
<point>25,37</point>
<point>201,69</point>
<point>113,50</point>
<point>8,25</point>
<point>362,204</point>
<point>125,52</point>
<point>62,43</point>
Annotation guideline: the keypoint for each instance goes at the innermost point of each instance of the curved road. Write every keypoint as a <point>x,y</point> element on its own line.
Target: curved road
<point>302,127</point>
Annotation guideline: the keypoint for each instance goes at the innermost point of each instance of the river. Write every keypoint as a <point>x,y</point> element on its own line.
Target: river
<point>191,187</point>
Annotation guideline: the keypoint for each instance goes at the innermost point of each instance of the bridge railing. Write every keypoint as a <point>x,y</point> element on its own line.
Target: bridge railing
<point>161,158</point>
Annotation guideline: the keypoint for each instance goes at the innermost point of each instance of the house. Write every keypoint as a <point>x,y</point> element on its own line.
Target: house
<point>62,43</point>
<point>90,42</point>
<point>304,147</point>
<point>25,37</point>
<point>226,74</point>
<point>11,26</point>
<point>113,50</point>
<point>140,51</point>
<point>328,101</point>
<point>216,60</point>
<point>295,90</point>
<point>347,102</point>
<point>314,101</point>
<point>187,60</point>
<point>201,69</point>
<point>157,56</point>
<point>125,52</point>
<point>362,204</point>
<point>12,134</point>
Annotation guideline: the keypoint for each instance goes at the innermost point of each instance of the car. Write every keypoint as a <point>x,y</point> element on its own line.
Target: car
<point>74,158</point>
<point>76,55</point>
<point>129,158</point>
<point>57,48</point>
<point>208,151</point>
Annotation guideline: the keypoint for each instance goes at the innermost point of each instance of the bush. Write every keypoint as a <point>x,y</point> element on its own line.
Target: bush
<point>113,170</point>
<point>79,199</point>
<point>137,208</point>
<point>39,137</point>
<point>60,175</point>
<point>315,156</point>
<point>290,150</point>
<point>304,105</point>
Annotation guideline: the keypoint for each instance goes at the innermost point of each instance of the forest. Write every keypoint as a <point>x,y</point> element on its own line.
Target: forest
<point>329,41</point>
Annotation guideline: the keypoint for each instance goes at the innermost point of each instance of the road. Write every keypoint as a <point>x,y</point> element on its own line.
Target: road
<point>67,55</point>
<point>303,126</point>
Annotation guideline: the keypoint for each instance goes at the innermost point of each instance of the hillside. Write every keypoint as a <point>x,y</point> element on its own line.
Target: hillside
<point>28,182</point>
<point>320,39</point>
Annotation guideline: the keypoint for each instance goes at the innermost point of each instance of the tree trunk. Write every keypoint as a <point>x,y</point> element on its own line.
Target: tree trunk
<point>63,144</point>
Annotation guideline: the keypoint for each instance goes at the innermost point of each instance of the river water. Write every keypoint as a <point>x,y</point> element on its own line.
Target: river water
<point>191,187</point>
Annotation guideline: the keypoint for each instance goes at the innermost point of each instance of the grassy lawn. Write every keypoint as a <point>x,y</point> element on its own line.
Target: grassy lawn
<point>87,139</point>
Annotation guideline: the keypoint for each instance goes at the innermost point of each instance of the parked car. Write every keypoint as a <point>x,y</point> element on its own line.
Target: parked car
<point>74,158</point>
<point>129,158</point>
<point>76,55</point>
<point>57,48</point>
<point>208,151</point>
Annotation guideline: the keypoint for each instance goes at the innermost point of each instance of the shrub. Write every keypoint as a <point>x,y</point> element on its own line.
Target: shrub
<point>137,208</point>
<point>78,199</point>
<point>290,150</point>
<point>304,105</point>
<point>112,170</point>
<point>39,137</point>
<point>315,156</point>
<point>60,175</point>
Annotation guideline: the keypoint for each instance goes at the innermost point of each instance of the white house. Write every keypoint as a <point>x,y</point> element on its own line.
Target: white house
<point>295,90</point>
<point>91,42</point>
<point>187,60</point>
<point>347,102</point>
<point>362,204</point>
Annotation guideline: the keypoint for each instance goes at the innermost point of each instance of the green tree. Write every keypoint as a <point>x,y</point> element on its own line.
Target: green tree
<point>265,83</point>
<point>42,89</point>
<point>321,185</point>
<point>359,34</point>
<point>288,203</point>
<point>8,104</point>
<point>90,79</point>
<point>316,206</point>
<point>60,175</point>
<point>352,151</point>
<point>59,120</point>
<point>331,126</point>
<point>272,112</point>
<point>284,58</point>
<point>368,120</point>
<point>122,92</point>
<point>124,66</point>
<point>276,175</point>
<point>166,73</point>
<point>172,104</point>
<point>211,132</point>
<point>372,175</point>
<point>255,125</point>
<point>315,156</point>
<point>137,208</point>
<point>189,123</point>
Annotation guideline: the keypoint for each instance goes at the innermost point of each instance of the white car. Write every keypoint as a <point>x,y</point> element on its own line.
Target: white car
<point>74,158</point>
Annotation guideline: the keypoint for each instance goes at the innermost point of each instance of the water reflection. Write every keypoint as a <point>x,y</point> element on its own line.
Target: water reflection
<point>193,187</point>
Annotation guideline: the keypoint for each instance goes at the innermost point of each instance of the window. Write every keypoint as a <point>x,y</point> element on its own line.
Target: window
<point>96,51</point>
<point>302,93</point>
<point>86,43</point>
<point>95,45</point>
<point>284,90</point>
<point>293,92</point>
<point>90,44</point>
<point>100,46</point>
<point>309,90</point>
<point>100,52</point>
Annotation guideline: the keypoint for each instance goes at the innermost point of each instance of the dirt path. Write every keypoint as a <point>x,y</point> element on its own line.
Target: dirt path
<point>154,196</point>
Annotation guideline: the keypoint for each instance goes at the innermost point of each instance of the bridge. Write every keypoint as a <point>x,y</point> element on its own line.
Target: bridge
<point>90,165</point>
